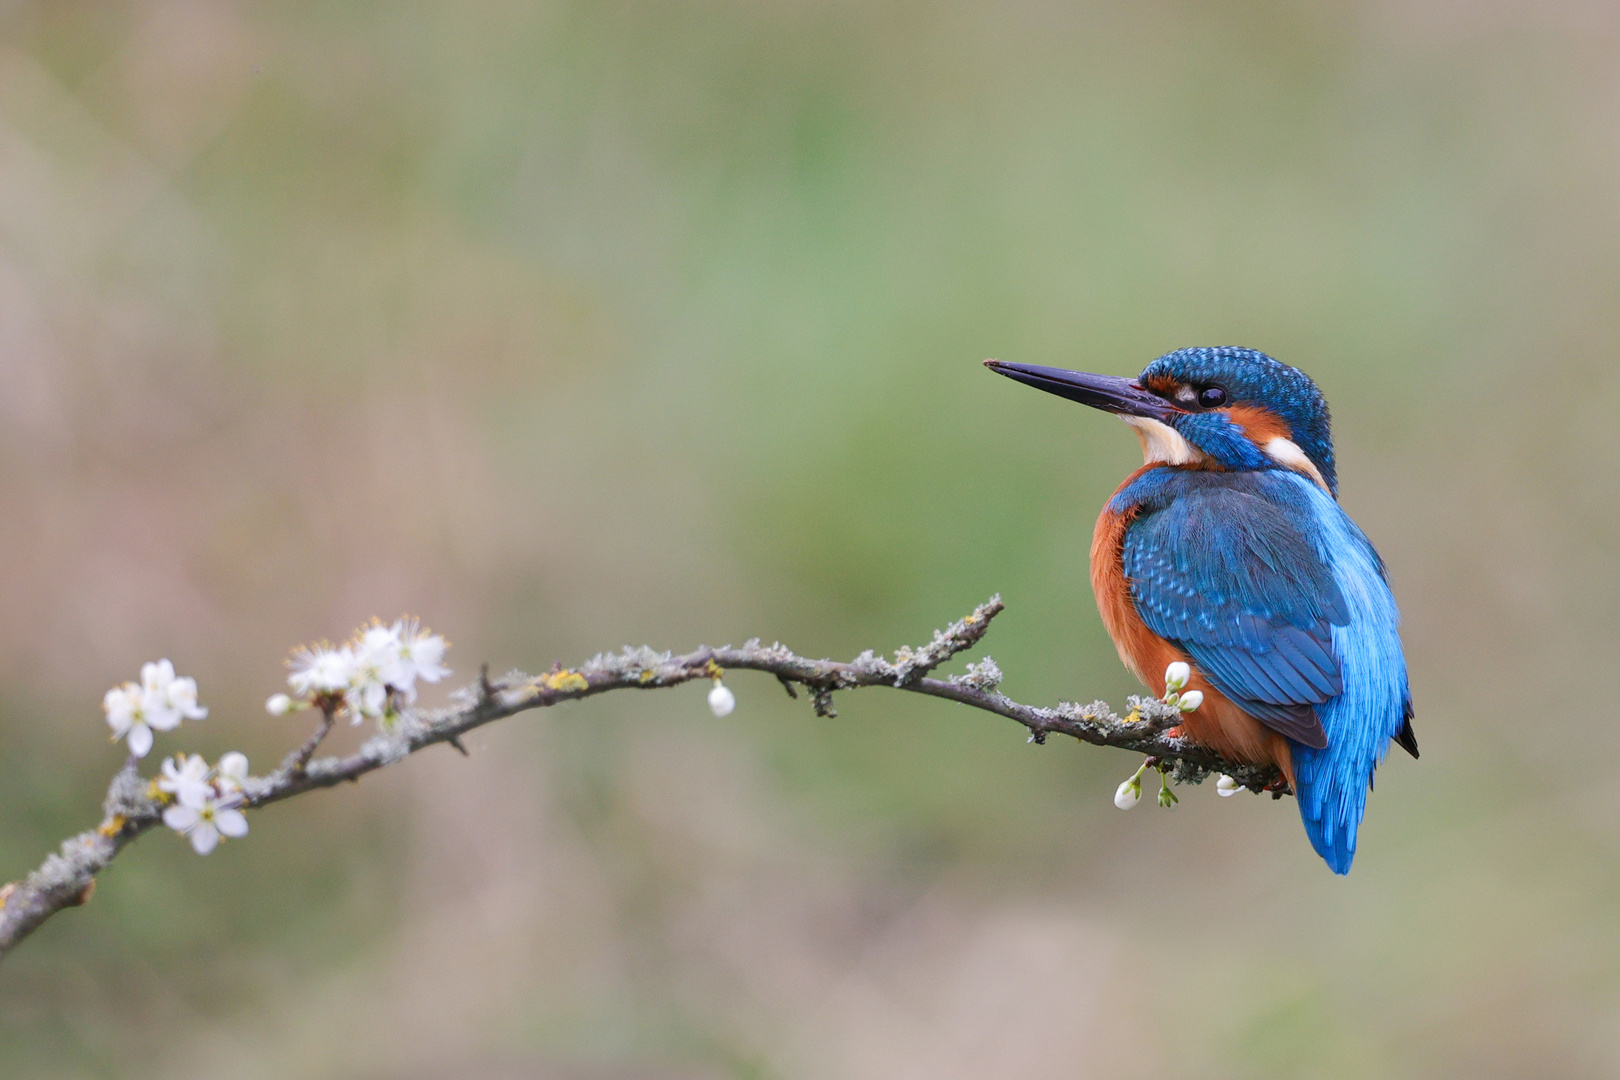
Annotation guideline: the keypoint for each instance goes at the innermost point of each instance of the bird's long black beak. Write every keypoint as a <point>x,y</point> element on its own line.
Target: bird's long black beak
<point>1109,393</point>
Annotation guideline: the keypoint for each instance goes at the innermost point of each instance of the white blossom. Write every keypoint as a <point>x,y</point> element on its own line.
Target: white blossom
<point>1176,676</point>
<point>366,699</point>
<point>721,699</point>
<point>1190,700</point>
<point>1227,786</point>
<point>231,772</point>
<point>416,654</point>
<point>158,703</point>
<point>376,655</point>
<point>165,699</point>
<point>321,670</point>
<point>185,776</point>
<point>374,672</point>
<point>1128,794</point>
<point>204,825</point>
<point>127,717</point>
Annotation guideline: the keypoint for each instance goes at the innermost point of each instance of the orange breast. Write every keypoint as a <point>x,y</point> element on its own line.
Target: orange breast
<point>1218,723</point>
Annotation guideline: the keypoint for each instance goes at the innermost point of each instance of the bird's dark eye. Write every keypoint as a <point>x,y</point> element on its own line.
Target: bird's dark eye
<point>1212,397</point>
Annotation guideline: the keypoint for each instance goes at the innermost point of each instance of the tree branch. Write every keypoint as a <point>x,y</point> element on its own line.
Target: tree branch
<point>133,806</point>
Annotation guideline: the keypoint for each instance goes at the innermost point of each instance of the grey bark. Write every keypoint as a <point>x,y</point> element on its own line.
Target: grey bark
<point>67,878</point>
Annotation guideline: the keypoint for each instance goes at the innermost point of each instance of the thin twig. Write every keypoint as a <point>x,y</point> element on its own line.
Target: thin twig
<point>295,763</point>
<point>131,808</point>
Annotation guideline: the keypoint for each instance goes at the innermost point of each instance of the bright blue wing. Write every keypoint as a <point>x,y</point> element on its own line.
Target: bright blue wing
<point>1233,579</point>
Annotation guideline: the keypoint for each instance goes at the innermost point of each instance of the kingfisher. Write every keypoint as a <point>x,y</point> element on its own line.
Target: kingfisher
<point>1228,551</point>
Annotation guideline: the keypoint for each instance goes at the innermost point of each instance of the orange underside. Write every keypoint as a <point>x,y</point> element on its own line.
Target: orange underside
<point>1218,723</point>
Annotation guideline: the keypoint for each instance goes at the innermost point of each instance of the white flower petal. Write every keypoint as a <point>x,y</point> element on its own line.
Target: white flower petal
<point>231,822</point>
<point>1190,700</point>
<point>421,656</point>
<point>1128,795</point>
<point>204,838</point>
<point>186,779</point>
<point>140,740</point>
<point>182,698</point>
<point>122,703</point>
<point>321,670</point>
<point>160,716</point>
<point>180,818</point>
<point>157,677</point>
<point>1176,676</point>
<point>379,651</point>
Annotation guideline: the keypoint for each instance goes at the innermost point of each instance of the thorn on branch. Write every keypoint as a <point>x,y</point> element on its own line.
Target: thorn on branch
<point>455,741</point>
<point>486,689</point>
<point>787,684</point>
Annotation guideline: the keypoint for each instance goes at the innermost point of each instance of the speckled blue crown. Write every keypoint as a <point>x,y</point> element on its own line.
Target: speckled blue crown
<point>1251,377</point>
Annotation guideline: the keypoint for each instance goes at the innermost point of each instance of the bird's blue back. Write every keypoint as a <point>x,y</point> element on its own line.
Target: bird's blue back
<point>1282,603</point>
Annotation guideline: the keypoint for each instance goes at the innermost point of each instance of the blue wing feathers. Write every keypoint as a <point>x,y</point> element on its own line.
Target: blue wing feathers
<point>1375,704</point>
<point>1230,576</point>
<point>1282,603</point>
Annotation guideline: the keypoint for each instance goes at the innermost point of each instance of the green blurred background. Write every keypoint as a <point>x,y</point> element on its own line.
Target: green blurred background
<point>572,325</point>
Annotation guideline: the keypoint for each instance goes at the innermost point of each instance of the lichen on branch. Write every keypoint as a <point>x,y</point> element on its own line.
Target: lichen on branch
<point>134,805</point>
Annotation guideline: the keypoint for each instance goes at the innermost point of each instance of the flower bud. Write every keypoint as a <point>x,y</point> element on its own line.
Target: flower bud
<point>721,699</point>
<point>1176,676</point>
<point>1190,700</point>
<point>279,705</point>
<point>1227,786</point>
<point>1128,794</point>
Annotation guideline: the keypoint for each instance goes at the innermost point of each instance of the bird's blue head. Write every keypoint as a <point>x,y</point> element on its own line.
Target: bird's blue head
<point>1225,408</point>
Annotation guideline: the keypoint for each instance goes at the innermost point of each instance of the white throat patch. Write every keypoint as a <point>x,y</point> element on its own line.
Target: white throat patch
<point>1161,442</point>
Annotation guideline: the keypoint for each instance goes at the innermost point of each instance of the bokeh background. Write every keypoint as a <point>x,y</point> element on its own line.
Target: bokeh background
<point>571,325</point>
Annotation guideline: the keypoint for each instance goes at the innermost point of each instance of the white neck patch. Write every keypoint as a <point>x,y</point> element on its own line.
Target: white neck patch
<point>1161,442</point>
<point>1286,452</point>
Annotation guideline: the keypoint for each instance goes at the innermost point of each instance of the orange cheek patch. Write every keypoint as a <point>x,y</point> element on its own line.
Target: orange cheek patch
<point>1162,385</point>
<point>1261,425</point>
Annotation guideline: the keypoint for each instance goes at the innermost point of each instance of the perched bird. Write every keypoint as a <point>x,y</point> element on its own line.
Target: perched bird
<point>1228,550</point>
